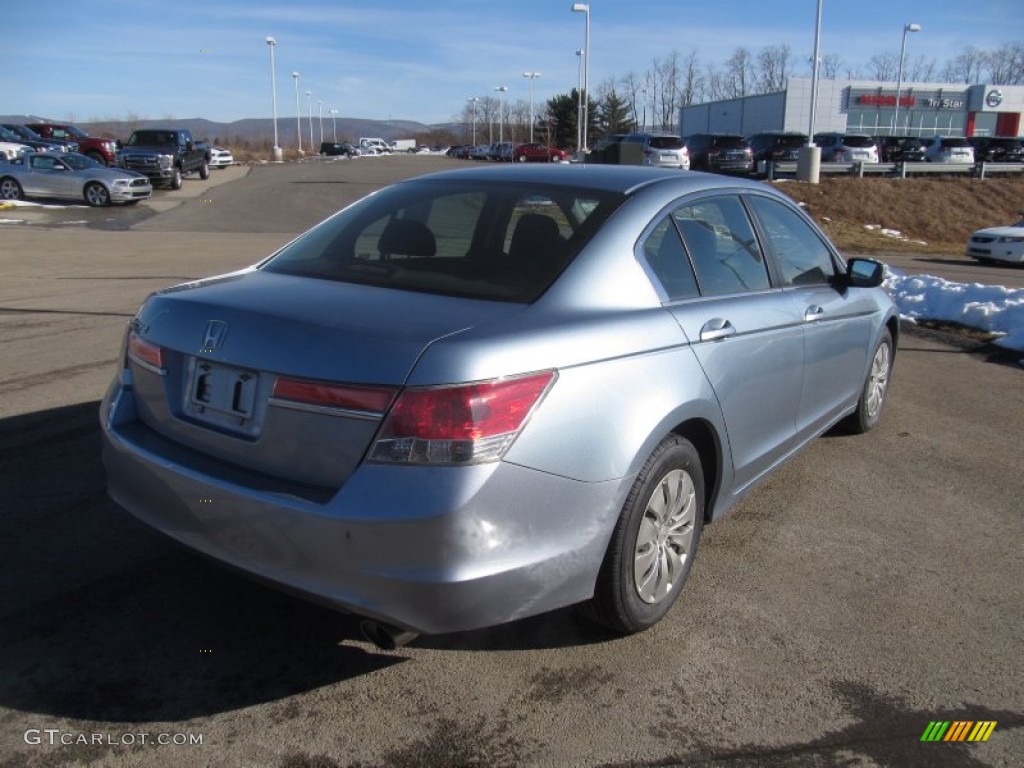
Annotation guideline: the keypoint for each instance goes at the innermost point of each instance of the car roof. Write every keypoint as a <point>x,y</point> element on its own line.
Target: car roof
<point>625,179</point>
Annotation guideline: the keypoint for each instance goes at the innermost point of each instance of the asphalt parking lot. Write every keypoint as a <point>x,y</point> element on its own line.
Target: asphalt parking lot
<point>872,586</point>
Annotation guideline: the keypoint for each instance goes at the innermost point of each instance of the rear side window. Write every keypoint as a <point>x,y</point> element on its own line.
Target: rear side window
<point>664,254</point>
<point>800,255</point>
<point>475,239</point>
<point>722,246</point>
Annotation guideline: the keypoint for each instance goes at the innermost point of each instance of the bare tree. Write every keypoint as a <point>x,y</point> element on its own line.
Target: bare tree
<point>631,86</point>
<point>773,64</point>
<point>831,65</point>
<point>1005,65</point>
<point>883,66</point>
<point>691,83</point>
<point>739,74</point>
<point>920,70</point>
<point>966,67</point>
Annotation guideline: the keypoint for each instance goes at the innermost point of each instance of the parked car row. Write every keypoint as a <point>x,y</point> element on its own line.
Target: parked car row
<point>507,151</point>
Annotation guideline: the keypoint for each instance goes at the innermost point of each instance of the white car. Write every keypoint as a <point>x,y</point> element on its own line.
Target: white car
<point>220,158</point>
<point>998,244</point>
<point>948,149</point>
<point>9,150</point>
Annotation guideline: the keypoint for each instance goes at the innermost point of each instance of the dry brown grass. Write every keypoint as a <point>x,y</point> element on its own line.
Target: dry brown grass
<point>939,212</point>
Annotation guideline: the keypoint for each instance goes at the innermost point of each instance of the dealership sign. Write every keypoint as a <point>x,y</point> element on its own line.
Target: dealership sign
<point>933,100</point>
<point>880,100</point>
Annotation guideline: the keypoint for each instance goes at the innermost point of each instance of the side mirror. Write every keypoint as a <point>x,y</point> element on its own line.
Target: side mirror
<point>118,144</point>
<point>864,273</point>
<point>190,145</point>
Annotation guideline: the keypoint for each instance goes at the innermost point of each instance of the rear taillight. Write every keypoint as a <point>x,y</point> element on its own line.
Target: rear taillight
<point>145,353</point>
<point>464,424</point>
<point>348,397</point>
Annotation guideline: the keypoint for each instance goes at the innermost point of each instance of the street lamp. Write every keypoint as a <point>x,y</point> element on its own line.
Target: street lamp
<point>501,111</point>
<point>585,96</point>
<point>899,77</point>
<point>532,76</point>
<point>334,125</point>
<point>271,42</point>
<point>473,101</point>
<point>309,102</point>
<point>298,111</point>
<point>320,104</point>
<point>579,98</point>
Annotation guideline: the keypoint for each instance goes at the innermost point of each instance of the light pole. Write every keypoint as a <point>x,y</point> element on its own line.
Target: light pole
<point>808,166</point>
<point>298,111</point>
<point>532,76</point>
<point>501,111</point>
<point>899,77</point>
<point>271,42</point>
<point>585,8</point>
<point>334,125</point>
<point>579,98</point>
<point>473,100</point>
<point>320,104</point>
<point>309,102</point>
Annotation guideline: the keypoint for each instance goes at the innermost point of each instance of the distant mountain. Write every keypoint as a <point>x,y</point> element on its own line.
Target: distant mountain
<point>253,130</point>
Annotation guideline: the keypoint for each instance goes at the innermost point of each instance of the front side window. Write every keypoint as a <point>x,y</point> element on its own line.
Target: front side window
<point>722,246</point>
<point>506,242</point>
<point>801,256</point>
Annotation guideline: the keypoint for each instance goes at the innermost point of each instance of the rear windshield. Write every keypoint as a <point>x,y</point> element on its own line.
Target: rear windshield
<point>666,142</point>
<point>476,239</point>
<point>910,143</point>
<point>1005,143</point>
<point>729,142</point>
<point>955,143</point>
<point>791,141</point>
<point>858,141</point>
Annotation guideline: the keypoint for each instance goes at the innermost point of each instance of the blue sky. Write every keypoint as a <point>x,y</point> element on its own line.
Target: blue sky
<point>418,60</point>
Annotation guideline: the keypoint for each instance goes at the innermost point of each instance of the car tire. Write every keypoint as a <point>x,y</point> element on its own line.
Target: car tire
<point>654,542</point>
<point>204,171</point>
<point>176,179</point>
<point>876,387</point>
<point>10,189</point>
<point>97,157</point>
<point>96,195</point>
<point>521,159</point>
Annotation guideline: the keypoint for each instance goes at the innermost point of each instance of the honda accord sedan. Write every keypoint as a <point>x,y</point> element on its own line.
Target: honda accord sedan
<point>480,395</point>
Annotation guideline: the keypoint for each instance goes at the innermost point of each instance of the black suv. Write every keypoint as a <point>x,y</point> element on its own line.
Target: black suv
<point>722,152</point>
<point>997,149</point>
<point>776,146</point>
<point>900,149</point>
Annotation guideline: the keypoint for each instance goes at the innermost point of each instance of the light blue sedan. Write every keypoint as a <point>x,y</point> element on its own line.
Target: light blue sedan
<point>71,176</point>
<point>480,395</point>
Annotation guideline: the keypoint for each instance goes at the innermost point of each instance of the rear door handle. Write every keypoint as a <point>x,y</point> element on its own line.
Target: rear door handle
<point>716,329</point>
<point>812,313</point>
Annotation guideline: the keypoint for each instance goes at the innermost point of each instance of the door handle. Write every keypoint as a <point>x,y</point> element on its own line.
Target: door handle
<point>812,313</point>
<point>716,329</point>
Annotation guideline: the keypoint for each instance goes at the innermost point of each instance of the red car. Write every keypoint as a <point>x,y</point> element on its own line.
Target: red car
<point>102,149</point>
<point>537,153</point>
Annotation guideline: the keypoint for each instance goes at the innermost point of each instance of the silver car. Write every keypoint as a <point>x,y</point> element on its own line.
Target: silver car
<point>71,176</point>
<point>661,150</point>
<point>480,395</point>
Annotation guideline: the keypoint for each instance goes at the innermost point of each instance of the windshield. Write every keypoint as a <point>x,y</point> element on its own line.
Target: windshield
<point>78,133</point>
<point>7,135</point>
<point>858,141</point>
<point>477,239</point>
<point>666,142</point>
<point>80,162</point>
<point>152,139</point>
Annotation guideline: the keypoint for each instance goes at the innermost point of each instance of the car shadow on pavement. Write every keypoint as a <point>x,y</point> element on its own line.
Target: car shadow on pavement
<point>103,619</point>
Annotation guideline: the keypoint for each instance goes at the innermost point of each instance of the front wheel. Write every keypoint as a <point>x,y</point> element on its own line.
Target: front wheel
<point>10,189</point>
<point>876,387</point>
<point>204,171</point>
<point>521,158</point>
<point>654,542</point>
<point>176,179</point>
<point>96,195</point>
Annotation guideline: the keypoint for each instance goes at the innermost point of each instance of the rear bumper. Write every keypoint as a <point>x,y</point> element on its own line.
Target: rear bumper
<point>432,549</point>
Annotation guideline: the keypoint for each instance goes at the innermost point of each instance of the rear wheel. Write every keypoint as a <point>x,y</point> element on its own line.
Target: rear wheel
<point>96,194</point>
<point>654,542</point>
<point>876,387</point>
<point>10,189</point>
<point>521,158</point>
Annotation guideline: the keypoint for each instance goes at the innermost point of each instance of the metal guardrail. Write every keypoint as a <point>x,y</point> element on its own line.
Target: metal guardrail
<point>901,170</point>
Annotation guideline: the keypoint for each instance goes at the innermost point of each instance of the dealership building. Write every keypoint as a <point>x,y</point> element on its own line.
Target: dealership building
<point>859,106</point>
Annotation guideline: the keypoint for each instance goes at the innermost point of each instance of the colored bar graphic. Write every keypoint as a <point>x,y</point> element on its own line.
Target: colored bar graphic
<point>959,730</point>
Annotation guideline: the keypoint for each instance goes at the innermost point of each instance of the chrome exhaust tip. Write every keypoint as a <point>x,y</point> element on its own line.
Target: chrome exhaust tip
<point>385,636</point>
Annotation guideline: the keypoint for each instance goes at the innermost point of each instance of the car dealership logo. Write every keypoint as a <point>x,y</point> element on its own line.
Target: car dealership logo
<point>994,97</point>
<point>958,730</point>
<point>213,336</point>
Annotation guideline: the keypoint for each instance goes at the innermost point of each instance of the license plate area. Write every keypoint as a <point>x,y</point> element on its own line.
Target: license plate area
<point>222,395</point>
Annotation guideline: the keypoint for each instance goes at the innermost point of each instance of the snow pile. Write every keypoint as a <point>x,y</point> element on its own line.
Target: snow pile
<point>992,308</point>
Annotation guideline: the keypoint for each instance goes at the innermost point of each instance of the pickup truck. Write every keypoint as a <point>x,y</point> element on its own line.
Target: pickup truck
<point>102,149</point>
<point>165,155</point>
